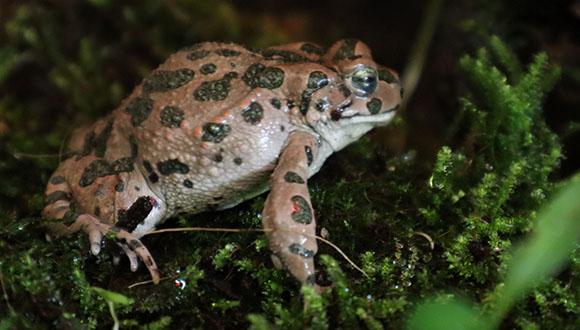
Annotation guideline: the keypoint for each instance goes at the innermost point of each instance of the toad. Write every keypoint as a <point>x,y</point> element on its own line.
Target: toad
<point>214,125</point>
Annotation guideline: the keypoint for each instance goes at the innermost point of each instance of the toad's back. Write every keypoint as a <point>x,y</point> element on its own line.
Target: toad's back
<point>206,137</point>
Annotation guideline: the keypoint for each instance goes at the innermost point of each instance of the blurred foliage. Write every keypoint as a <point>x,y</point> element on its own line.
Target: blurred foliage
<point>544,253</point>
<point>440,228</point>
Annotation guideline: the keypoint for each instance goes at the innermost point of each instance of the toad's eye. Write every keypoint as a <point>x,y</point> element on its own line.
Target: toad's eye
<point>363,80</point>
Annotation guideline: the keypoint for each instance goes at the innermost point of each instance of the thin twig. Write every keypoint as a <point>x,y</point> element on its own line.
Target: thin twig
<point>206,229</point>
<point>427,237</point>
<point>23,155</point>
<point>241,230</point>
<point>342,254</point>
<point>146,282</point>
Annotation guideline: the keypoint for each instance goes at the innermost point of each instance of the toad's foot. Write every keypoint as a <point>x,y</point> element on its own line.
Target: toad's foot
<point>96,230</point>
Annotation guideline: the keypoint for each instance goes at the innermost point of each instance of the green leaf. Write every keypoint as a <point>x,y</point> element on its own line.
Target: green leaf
<point>163,323</point>
<point>9,59</point>
<point>314,308</point>
<point>547,250</point>
<point>445,314</point>
<point>258,322</point>
<point>113,297</point>
<point>506,57</point>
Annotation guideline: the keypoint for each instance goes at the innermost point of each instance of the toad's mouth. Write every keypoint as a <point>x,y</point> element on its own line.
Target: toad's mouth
<point>379,119</point>
<point>340,133</point>
<point>350,116</point>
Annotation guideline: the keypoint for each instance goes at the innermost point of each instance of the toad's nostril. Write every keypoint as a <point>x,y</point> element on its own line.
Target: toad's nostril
<point>336,114</point>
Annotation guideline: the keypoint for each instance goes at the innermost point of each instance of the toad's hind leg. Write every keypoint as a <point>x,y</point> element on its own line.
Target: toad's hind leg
<point>288,218</point>
<point>60,206</point>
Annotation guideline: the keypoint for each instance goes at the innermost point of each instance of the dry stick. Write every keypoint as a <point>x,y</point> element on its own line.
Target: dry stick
<point>20,155</point>
<point>243,230</point>
<point>414,68</point>
<point>427,237</point>
<point>5,294</point>
<point>23,155</point>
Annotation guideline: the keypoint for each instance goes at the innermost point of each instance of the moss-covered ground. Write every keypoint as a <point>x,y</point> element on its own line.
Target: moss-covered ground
<point>430,207</point>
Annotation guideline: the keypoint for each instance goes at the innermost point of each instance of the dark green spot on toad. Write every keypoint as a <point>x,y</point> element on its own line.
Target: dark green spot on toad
<point>305,101</point>
<point>97,142</point>
<point>308,152</point>
<point>139,108</point>
<point>214,132</point>
<point>100,168</point>
<point>208,68</point>
<point>172,166</point>
<point>135,244</point>
<point>147,166</point>
<point>57,179</point>
<point>374,106</point>
<point>227,52</point>
<point>276,103</point>
<point>70,216</point>
<point>124,164</point>
<point>231,75</point>
<point>214,90</point>
<point>317,80</point>
<point>57,196</point>
<point>311,49</point>
<point>346,50</point>
<point>386,76</point>
<point>293,177</point>
<point>197,54</point>
<point>187,183</point>
<point>301,211</point>
<point>300,250</point>
<point>284,56</point>
<point>258,75</point>
<point>238,161</point>
<point>165,80</point>
<point>218,158</point>
<point>97,168</point>
<point>171,116</point>
<point>253,113</point>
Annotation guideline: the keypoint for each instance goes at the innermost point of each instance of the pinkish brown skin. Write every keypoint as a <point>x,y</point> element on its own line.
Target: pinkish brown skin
<point>213,126</point>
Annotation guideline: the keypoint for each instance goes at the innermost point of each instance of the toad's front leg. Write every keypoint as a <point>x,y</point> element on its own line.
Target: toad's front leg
<point>288,217</point>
